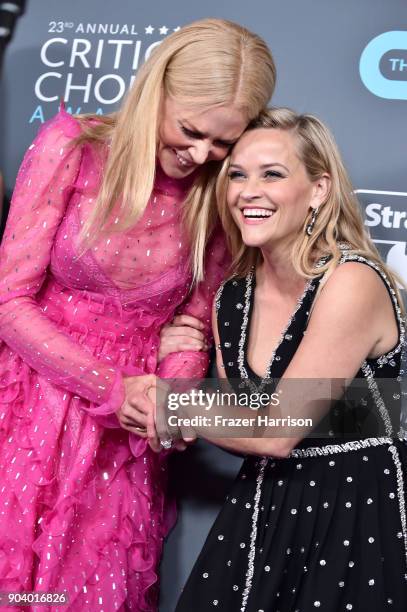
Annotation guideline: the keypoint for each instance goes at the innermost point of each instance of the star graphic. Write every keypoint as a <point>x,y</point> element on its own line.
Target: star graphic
<point>163,30</point>
<point>177,29</point>
<point>149,29</point>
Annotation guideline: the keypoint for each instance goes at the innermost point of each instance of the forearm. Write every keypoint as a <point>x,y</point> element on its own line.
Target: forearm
<point>52,353</point>
<point>184,365</point>
<point>194,364</point>
<point>244,432</point>
<point>272,429</point>
<point>263,447</point>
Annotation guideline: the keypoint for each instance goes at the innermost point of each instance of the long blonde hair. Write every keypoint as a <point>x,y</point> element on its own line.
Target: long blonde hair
<point>339,219</point>
<point>209,63</point>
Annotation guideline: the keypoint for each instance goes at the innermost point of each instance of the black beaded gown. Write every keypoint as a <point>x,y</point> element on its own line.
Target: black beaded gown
<point>324,529</point>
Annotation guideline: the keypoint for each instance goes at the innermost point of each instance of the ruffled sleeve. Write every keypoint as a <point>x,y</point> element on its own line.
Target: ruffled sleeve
<point>43,188</point>
<point>194,364</point>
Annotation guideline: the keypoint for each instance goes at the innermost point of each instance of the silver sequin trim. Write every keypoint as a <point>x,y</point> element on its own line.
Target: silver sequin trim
<point>243,331</point>
<point>218,296</point>
<point>400,494</point>
<point>242,340</point>
<point>332,449</point>
<point>253,534</point>
<point>378,400</point>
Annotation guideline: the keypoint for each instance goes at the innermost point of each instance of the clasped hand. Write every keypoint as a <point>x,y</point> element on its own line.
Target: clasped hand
<point>143,410</point>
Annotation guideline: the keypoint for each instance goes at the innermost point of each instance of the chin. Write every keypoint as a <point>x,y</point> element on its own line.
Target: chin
<point>254,241</point>
<point>177,173</point>
<point>255,244</point>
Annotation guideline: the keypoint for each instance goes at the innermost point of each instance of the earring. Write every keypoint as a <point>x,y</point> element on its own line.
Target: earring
<point>310,227</point>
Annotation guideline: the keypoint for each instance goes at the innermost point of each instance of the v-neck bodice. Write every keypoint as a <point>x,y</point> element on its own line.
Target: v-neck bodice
<point>237,297</point>
<point>280,353</point>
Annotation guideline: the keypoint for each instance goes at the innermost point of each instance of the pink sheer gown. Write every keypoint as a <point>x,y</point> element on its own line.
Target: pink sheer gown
<point>82,506</point>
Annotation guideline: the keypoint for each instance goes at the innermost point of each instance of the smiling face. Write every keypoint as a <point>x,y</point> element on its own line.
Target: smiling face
<point>187,138</point>
<point>269,192</point>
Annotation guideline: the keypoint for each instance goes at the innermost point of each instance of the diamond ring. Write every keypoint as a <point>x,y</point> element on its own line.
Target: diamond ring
<point>166,443</point>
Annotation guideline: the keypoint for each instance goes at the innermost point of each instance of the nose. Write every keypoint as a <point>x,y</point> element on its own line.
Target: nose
<point>200,152</point>
<point>250,190</point>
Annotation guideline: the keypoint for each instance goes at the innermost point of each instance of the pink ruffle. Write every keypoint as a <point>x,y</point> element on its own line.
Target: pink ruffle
<point>123,519</point>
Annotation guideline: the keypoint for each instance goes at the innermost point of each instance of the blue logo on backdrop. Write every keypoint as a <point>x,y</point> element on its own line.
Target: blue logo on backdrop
<point>383,66</point>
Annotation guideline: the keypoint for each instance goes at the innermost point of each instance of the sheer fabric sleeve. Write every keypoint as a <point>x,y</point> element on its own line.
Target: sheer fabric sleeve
<point>43,187</point>
<point>194,364</point>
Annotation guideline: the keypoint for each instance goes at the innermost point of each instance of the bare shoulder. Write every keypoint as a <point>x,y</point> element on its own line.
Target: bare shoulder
<point>352,319</point>
<point>355,302</point>
<point>355,284</point>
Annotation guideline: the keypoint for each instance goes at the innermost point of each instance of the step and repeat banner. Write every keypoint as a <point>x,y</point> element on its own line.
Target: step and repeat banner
<point>344,61</point>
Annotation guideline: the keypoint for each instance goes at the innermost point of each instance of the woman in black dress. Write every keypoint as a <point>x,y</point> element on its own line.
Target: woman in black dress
<point>311,523</point>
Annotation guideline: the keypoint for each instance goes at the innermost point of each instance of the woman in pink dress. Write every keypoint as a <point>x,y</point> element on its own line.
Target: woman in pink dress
<point>98,254</point>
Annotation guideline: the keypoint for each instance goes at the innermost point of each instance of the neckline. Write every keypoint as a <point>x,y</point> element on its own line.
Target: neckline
<point>243,363</point>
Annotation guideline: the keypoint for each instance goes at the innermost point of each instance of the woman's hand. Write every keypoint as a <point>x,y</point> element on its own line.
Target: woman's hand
<point>185,333</point>
<point>164,432</point>
<point>138,411</point>
<point>136,414</point>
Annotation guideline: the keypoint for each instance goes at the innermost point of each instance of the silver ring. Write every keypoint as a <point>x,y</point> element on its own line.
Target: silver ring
<point>166,443</point>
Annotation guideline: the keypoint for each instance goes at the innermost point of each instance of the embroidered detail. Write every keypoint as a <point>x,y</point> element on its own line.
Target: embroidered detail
<point>218,296</point>
<point>322,261</point>
<point>332,449</point>
<point>253,535</point>
<point>400,493</point>
<point>242,339</point>
<point>378,400</point>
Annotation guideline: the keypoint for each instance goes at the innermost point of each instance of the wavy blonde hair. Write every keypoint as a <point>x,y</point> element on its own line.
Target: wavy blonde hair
<point>339,218</point>
<point>209,63</point>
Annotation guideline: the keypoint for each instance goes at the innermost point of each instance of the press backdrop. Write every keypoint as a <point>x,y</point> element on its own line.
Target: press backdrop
<point>345,61</point>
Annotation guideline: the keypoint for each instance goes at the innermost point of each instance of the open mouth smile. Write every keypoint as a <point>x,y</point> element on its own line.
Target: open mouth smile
<point>256,215</point>
<point>182,161</point>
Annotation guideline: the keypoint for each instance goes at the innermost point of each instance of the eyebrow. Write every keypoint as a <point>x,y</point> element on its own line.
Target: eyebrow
<point>200,134</point>
<point>263,166</point>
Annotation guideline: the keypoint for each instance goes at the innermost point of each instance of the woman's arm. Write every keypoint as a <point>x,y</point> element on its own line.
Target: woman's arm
<point>184,333</point>
<point>43,188</point>
<point>194,363</point>
<point>352,319</point>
